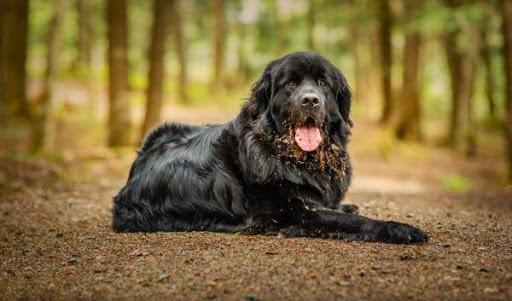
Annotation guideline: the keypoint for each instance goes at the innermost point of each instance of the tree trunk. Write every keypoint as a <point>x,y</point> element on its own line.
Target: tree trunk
<point>311,25</point>
<point>507,54</point>
<point>462,66</point>
<point>85,12</point>
<point>462,76</point>
<point>119,111</point>
<point>85,46</point>
<point>181,47</point>
<point>385,48</point>
<point>219,45</point>
<point>374,71</point>
<point>13,57</point>
<point>362,79</point>
<point>4,106</point>
<point>47,127</point>
<point>280,28</point>
<point>490,81</point>
<point>243,65</point>
<point>356,56</point>
<point>161,13</point>
<point>454,60</point>
<point>405,122</point>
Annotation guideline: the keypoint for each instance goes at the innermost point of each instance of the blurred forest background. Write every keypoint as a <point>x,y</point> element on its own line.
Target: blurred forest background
<point>82,81</point>
<point>78,74</point>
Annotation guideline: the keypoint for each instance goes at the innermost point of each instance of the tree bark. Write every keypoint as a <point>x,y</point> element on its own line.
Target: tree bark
<point>462,75</point>
<point>154,92</point>
<point>311,25</point>
<point>463,66</point>
<point>507,55</point>
<point>119,111</point>
<point>374,72</point>
<point>47,127</point>
<point>243,64</point>
<point>181,47</point>
<point>85,10</point>
<point>356,56</point>
<point>490,80</point>
<point>219,45</point>
<point>85,46</point>
<point>405,122</point>
<point>363,81</point>
<point>385,19</point>
<point>454,61</point>
<point>281,28</point>
<point>13,57</point>
<point>4,106</point>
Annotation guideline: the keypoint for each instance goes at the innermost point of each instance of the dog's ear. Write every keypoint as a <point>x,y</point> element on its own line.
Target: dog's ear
<point>261,93</point>
<point>343,97</point>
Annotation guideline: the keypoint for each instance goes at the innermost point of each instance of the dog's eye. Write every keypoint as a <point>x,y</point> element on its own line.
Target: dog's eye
<point>291,84</point>
<point>321,82</point>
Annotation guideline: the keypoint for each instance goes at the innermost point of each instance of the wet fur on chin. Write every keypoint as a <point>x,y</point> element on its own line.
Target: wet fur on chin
<point>331,156</point>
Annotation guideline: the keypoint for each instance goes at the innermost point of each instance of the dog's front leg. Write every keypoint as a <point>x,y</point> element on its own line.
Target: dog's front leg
<point>332,224</point>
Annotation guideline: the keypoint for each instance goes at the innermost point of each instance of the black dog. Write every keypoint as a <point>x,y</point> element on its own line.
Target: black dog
<point>281,166</point>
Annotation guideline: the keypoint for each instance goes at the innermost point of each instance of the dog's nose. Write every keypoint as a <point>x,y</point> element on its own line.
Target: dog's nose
<point>310,100</point>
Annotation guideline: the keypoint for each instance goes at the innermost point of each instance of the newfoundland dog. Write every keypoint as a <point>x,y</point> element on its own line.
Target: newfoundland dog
<point>280,167</point>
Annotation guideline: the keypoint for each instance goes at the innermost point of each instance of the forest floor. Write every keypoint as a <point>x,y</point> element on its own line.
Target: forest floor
<point>56,241</point>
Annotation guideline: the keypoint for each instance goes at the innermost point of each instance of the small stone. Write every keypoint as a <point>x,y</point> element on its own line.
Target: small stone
<point>450,278</point>
<point>72,260</point>
<point>406,257</point>
<point>163,277</point>
<point>491,290</point>
<point>139,253</point>
<point>251,297</point>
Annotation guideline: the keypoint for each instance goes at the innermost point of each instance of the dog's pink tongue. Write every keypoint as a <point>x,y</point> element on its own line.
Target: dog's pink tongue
<point>308,138</point>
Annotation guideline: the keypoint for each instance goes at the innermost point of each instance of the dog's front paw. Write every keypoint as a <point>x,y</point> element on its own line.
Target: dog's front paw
<point>398,233</point>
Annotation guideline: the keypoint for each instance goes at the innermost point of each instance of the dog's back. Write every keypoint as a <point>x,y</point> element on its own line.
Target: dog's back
<point>178,184</point>
<point>172,133</point>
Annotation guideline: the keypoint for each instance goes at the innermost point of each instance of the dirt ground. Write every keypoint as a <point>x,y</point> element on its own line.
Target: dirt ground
<point>56,241</point>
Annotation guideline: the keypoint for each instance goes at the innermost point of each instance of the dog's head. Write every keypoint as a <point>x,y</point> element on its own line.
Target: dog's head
<point>304,95</point>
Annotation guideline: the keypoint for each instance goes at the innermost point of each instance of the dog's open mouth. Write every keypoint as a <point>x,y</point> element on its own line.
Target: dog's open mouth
<point>308,136</point>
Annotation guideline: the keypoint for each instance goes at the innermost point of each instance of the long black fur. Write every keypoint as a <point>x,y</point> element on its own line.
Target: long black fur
<point>248,175</point>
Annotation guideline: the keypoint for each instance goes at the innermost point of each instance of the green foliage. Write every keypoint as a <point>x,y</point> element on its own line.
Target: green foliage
<point>277,27</point>
<point>456,183</point>
<point>139,27</point>
<point>433,18</point>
